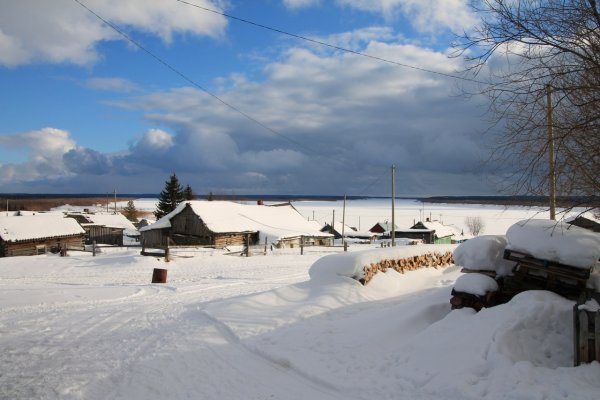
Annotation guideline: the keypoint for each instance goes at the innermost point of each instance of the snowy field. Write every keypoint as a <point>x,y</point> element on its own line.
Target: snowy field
<point>229,327</point>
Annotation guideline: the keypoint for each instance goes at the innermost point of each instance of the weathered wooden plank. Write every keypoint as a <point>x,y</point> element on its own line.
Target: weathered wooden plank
<point>597,335</point>
<point>576,360</point>
<point>583,337</point>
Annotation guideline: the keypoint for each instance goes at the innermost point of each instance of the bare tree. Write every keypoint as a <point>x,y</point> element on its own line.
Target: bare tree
<point>518,49</point>
<point>475,225</point>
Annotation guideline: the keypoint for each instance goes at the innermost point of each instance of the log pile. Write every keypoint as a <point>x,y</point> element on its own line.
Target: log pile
<point>435,260</point>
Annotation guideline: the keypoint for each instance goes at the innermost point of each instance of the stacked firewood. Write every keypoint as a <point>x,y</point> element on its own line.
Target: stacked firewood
<point>401,265</point>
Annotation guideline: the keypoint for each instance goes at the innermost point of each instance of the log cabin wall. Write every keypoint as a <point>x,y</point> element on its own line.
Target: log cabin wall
<point>187,228</point>
<point>40,246</point>
<point>154,238</point>
<point>104,235</point>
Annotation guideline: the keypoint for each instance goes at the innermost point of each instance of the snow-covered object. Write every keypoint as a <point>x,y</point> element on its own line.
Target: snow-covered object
<point>477,284</point>
<point>224,217</point>
<point>590,305</point>
<point>352,264</point>
<point>484,253</point>
<point>13,229</point>
<point>555,241</point>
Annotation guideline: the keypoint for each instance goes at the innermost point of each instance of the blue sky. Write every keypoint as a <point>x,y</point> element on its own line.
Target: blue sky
<point>85,111</point>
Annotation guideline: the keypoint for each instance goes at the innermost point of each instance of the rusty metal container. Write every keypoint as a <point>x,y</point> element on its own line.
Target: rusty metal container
<point>159,275</point>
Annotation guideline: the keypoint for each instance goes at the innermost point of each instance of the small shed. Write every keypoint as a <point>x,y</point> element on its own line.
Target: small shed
<point>221,223</point>
<point>37,234</point>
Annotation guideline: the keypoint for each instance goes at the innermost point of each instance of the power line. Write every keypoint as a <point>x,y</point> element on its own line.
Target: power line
<point>332,46</point>
<point>191,81</point>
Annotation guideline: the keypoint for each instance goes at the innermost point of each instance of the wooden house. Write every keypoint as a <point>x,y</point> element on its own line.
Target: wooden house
<point>37,234</point>
<point>427,236</point>
<point>220,224</point>
<point>382,228</point>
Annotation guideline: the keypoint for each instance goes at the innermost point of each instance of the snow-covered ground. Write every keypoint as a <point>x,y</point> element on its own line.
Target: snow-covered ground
<point>229,327</point>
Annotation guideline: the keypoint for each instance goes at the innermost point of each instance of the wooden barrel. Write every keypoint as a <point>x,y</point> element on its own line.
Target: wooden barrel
<point>159,275</point>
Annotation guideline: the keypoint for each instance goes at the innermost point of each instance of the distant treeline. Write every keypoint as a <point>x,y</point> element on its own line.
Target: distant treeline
<point>38,201</point>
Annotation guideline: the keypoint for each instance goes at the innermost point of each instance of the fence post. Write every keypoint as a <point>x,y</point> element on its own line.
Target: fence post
<point>597,335</point>
<point>94,248</point>
<point>301,245</point>
<point>247,245</point>
<point>265,245</point>
<point>345,246</point>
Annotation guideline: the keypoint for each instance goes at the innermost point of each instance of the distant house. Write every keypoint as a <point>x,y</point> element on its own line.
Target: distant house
<point>383,228</point>
<point>29,235</point>
<point>221,223</point>
<point>435,232</point>
<point>338,229</point>
<point>106,228</point>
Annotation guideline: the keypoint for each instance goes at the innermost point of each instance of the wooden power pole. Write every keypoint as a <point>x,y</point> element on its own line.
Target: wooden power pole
<point>393,205</point>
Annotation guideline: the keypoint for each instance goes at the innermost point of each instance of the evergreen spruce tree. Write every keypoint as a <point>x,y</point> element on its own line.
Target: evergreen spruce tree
<point>188,193</point>
<point>169,198</point>
<point>130,212</point>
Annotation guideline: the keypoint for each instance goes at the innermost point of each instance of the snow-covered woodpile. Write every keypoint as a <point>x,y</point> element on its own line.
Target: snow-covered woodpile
<point>433,259</point>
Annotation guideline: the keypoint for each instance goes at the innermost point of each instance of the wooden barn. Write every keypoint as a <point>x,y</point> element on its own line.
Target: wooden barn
<point>220,224</point>
<point>37,234</point>
<point>105,228</point>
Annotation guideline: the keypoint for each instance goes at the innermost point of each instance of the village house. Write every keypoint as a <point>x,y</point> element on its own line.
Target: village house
<point>221,223</point>
<point>433,232</point>
<point>383,228</point>
<point>26,235</point>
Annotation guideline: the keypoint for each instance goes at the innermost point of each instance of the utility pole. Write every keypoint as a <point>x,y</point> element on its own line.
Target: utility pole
<point>344,220</point>
<point>333,227</point>
<point>393,205</point>
<point>552,171</point>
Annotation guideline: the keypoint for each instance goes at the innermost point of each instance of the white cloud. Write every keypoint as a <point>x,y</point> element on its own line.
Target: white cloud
<point>156,139</point>
<point>429,16</point>
<point>61,31</point>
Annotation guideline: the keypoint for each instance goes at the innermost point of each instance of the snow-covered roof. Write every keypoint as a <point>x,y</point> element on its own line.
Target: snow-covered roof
<point>440,229</point>
<point>39,226</point>
<point>111,220</point>
<point>224,217</point>
<point>555,241</point>
<point>387,226</point>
